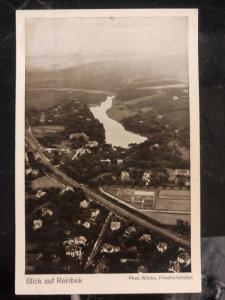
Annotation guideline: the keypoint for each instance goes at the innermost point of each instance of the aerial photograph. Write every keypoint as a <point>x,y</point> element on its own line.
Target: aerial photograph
<point>107,145</point>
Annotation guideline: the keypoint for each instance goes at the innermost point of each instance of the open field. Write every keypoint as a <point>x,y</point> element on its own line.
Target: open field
<point>42,131</point>
<point>45,182</point>
<point>179,202</point>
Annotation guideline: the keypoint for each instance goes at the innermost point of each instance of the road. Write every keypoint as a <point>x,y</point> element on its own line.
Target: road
<point>115,207</point>
<point>99,241</point>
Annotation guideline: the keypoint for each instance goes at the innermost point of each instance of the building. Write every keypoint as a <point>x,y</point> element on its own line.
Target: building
<point>174,174</point>
<point>86,224</point>
<point>145,237</point>
<point>92,144</point>
<point>146,177</point>
<point>144,198</point>
<point>119,162</point>
<point>46,212</point>
<point>84,204</point>
<point>129,231</point>
<point>37,224</point>
<point>74,251</point>
<point>42,118</point>
<point>174,267</point>
<point>155,147</point>
<point>80,240</point>
<point>108,161</point>
<point>108,248</point>
<point>115,225</point>
<point>125,176</point>
<point>40,194</point>
<point>95,213</point>
<point>161,247</point>
<point>184,258</point>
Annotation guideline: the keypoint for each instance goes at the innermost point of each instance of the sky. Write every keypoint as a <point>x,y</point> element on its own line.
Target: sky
<point>114,37</point>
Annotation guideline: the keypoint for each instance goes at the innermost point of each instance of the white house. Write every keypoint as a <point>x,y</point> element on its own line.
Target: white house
<point>115,226</point>
<point>184,258</point>
<point>46,212</point>
<point>145,237</point>
<point>80,240</point>
<point>37,224</point>
<point>40,194</point>
<point>108,248</point>
<point>161,247</point>
<point>84,204</point>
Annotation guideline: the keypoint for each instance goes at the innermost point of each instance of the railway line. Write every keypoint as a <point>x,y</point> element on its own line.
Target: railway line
<point>110,203</point>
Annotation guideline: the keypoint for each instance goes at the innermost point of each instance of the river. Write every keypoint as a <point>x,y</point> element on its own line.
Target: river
<point>115,133</point>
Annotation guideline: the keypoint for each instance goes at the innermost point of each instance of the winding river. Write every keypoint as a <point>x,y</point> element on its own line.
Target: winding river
<point>115,133</point>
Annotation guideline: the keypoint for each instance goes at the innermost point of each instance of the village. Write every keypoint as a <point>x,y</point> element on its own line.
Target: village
<point>79,223</point>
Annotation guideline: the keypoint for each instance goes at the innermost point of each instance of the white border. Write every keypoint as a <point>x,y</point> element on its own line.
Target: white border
<point>109,283</point>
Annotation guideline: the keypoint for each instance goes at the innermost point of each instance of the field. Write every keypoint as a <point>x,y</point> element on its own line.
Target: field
<point>42,131</point>
<point>149,103</point>
<point>44,98</point>
<point>45,182</point>
<point>180,201</point>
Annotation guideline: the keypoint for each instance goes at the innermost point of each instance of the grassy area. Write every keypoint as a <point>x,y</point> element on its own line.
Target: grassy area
<point>42,131</point>
<point>45,182</point>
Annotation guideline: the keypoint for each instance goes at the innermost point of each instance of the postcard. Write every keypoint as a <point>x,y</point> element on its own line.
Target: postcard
<point>107,152</point>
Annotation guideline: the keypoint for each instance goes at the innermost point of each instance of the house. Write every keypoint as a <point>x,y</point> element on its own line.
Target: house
<point>92,144</point>
<point>155,147</point>
<point>86,224</point>
<point>46,212</point>
<point>42,118</point>
<point>119,162</point>
<point>146,177</point>
<point>35,172</point>
<point>66,189</point>
<point>74,251</point>
<point>159,117</point>
<point>184,258</point>
<point>80,240</point>
<point>80,152</point>
<point>144,198</point>
<point>129,231</point>
<point>84,204</point>
<point>95,213</point>
<point>125,176</point>
<point>68,242</point>
<point>106,160</point>
<point>37,224</point>
<point>40,194</point>
<point>145,237</point>
<point>115,225</point>
<point>174,174</point>
<point>174,267</point>
<point>28,171</point>
<point>108,248</point>
<point>161,247</point>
